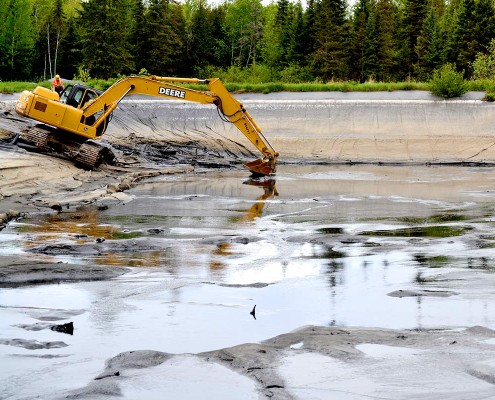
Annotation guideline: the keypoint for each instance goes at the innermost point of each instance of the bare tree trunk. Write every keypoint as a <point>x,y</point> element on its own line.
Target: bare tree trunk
<point>12,53</point>
<point>248,56</point>
<point>57,43</point>
<point>241,43</point>
<point>48,48</point>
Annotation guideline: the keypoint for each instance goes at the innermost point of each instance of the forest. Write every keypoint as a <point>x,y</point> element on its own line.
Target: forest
<point>285,40</point>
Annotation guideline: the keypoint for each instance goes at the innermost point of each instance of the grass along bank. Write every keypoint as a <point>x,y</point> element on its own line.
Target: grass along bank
<point>487,86</point>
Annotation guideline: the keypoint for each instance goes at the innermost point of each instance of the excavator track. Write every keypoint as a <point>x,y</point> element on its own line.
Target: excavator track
<point>37,137</point>
<point>90,155</point>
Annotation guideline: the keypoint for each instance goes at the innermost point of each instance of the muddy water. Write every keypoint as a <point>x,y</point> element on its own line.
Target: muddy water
<point>392,247</point>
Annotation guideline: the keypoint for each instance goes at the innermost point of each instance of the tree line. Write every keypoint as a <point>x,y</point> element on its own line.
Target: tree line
<point>323,40</point>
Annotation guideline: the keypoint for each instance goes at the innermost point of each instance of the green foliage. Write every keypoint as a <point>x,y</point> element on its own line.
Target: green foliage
<point>484,64</point>
<point>294,73</point>
<point>244,29</point>
<point>106,50</point>
<point>253,74</point>
<point>100,84</point>
<point>255,87</point>
<point>483,85</point>
<point>16,39</point>
<point>164,29</point>
<point>411,26</point>
<point>349,86</point>
<point>16,87</point>
<point>474,31</point>
<point>330,58</point>
<point>82,74</point>
<point>489,97</point>
<point>429,47</point>
<point>447,82</point>
<point>385,40</point>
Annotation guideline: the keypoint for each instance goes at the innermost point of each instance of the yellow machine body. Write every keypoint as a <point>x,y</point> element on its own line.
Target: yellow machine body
<point>87,112</point>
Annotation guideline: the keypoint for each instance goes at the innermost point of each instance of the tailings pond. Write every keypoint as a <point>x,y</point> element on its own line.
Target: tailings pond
<point>407,247</point>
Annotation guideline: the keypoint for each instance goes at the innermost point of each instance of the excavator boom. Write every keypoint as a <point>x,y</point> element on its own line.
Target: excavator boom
<point>86,112</point>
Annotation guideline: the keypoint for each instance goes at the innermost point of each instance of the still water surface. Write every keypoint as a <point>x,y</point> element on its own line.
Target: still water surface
<point>316,245</point>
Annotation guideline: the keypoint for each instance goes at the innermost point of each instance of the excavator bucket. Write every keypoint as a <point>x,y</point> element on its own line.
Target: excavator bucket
<point>261,166</point>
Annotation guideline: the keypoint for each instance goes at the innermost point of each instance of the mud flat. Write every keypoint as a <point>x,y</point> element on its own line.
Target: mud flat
<point>17,271</point>
<point>313,363</point>
<point>369,280</point>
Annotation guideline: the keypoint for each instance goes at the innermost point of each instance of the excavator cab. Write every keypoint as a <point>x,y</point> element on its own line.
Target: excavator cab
<point>78,95</point>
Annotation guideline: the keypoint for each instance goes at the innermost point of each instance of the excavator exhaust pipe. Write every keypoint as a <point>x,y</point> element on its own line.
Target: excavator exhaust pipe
<point>261,167</point>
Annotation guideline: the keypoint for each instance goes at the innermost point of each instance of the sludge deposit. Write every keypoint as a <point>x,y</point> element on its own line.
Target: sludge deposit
<point>366,278</point>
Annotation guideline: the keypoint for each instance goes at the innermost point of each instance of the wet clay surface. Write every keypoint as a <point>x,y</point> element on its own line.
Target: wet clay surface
<point>162,276</point>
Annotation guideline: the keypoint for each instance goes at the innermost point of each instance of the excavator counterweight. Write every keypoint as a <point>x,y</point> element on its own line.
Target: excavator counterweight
<point>82,114</point>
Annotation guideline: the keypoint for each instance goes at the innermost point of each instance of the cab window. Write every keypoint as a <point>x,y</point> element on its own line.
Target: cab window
<point>88,95</point>
<point>65,94</point>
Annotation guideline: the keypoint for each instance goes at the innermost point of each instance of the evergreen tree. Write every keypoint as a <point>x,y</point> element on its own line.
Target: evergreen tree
<point>219,34</point>
<point>484,30</point>
<point>330,58</point>
<point>388,21</point>
<point>429,47</point>
<point>71,56</point>
<point>202,42</point>
<point>307,40</point>
<point>357,42</point>
<point>475,29</point>
<point>177,64</point>
<point>449,23</point>
<point>371,63</point>
<point>137,37</point>
<point>464,36</point>
<point>164,30</point>
<point>414,14</point>
<point>283,28</point>
<point>105,45</point>
<point>297,51</point>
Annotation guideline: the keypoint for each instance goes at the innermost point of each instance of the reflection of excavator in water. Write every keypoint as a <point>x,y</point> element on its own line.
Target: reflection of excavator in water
<point>256,209</point>
<point>81,115</point>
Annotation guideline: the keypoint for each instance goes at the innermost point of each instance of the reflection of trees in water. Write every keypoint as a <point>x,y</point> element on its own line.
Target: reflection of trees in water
<point>335,277</point>
<point>419,300</point>
<point>334,273</point>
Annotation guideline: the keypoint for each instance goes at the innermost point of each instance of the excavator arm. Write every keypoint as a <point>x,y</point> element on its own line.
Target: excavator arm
<point>88,116</point>
<point>230,109</point>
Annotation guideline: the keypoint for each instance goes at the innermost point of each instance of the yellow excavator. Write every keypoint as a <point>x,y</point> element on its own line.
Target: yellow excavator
<point>79,116</point>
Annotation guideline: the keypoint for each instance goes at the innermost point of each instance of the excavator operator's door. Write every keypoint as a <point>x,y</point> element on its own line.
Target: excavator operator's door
<point>78,95</point>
